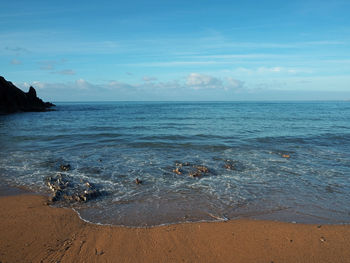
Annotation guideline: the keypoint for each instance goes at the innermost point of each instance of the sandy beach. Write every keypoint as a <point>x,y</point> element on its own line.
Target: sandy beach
<point>32,231</point>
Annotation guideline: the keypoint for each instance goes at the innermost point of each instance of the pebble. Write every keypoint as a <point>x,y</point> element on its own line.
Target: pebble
<point>137,181</point>
<point>65,167</point>
<point>177,171</point>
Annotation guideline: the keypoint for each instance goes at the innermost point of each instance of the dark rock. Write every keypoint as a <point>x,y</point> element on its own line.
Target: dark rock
<point>68,198</point>
<point>177,170</point>
<point>195,174</point>
<point>31,93</point>
<point>65,167</point>
<point>13,99</point>
<point>199,171</point>
<point>202,169</point>
<point>90,194</point>
<point>230,165</point>
<point>234,165</point>
<point>56,195</point>
<point>57,183</point>
<point>180,164</point>
<point>137,181</point>
<point>191,170</point>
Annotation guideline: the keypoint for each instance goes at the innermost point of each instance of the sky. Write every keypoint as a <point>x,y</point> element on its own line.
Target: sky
<point>177,50</point>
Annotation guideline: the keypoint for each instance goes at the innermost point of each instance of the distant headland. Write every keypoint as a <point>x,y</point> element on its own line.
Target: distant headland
<point>13,99</point>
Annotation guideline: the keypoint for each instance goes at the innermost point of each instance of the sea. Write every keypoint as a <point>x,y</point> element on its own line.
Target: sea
<point>285,161</point>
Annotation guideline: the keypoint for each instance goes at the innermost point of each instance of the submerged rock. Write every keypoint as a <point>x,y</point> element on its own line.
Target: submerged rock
<point>202,169</point>
<point>13,99</point>
<point>199,171</point>
<point>234,165</point>
<point>137,181</point>
<point>65,167</point>
<point>180,164</point>
<point>191,170</point>
<point>177,170</point>
<point>195,174</point>
<point>230,165</point>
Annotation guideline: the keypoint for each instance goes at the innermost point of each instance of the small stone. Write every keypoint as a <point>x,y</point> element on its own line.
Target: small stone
<point>57,194</point>
<point>322,239</point>
<point>195,174</point>
<point>99,253</point>
<point>178,164</point>
<point>68,198</point>
<point>229,166</point>
<point>65,167</point>
<point>76,197</point>
<point>137,181</point>
<point>202,169</point>
<point>177,171</point>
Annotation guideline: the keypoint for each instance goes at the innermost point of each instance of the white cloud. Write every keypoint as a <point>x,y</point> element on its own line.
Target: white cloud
<point>234,83</point>
<point>118,85</point>
<point>193,86</point>
<point>37,84</point>
<point>149,79</point>
<point>83,84</point>
<point>199,81</point>
<point>202,81</point>
<point>269,70</point>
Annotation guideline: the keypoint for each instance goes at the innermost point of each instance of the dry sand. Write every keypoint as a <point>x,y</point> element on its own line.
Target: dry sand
<point>31,231</point>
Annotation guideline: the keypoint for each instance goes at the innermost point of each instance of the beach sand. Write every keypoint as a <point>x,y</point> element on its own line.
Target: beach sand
<point>32,231</point>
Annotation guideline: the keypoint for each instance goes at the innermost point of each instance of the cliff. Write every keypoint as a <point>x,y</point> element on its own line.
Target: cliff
<point>12,99</point>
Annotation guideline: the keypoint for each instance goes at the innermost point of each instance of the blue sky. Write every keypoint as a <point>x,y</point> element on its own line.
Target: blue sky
<point>177,50</point>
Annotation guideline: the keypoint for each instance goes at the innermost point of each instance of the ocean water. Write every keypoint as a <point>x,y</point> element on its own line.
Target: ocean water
<point>111,144</point>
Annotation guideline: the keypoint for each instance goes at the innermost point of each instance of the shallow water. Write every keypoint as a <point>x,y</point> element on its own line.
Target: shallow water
<point>111,144</point>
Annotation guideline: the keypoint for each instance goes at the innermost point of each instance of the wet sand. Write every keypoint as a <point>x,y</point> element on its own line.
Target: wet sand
<point>31,231</point>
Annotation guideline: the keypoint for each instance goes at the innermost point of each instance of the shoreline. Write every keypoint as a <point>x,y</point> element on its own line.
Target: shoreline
<point>30,230</point>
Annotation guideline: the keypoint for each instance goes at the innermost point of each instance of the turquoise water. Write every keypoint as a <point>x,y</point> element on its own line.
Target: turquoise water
<point>111,144</point>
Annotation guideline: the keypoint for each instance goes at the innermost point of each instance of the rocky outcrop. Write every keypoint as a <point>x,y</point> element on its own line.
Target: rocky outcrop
<point>192,170</point>
<point>67,190</point>
<point>12,99</point>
